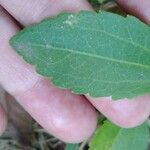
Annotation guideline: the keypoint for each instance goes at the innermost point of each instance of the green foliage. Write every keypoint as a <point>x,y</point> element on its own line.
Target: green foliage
<point>111,137</point>
<point>72,147</point>
<point>101,54</point>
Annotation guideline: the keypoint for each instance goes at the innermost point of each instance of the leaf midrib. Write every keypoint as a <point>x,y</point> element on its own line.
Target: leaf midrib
<point>47,46</point>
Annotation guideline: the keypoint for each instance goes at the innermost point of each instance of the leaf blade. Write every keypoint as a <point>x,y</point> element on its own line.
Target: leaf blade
<point>95,57</point>
<point>111,137</point>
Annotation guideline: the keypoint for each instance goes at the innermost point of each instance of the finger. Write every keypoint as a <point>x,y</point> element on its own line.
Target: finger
<point>67,116</point>
<point>139,8</point>
<point>125,113</point>
<point>30,11</point>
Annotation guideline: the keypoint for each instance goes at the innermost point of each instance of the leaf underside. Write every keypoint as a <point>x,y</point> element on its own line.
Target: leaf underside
<point>111,137</point>
<point>102,54</point>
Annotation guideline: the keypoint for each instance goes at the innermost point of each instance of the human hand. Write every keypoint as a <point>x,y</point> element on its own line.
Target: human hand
<point>69,117</point>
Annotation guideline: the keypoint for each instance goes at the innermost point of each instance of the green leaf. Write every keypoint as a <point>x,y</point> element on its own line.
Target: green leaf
<point>72,147</point>
<point>111,137</point>
<point>101,54</point>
